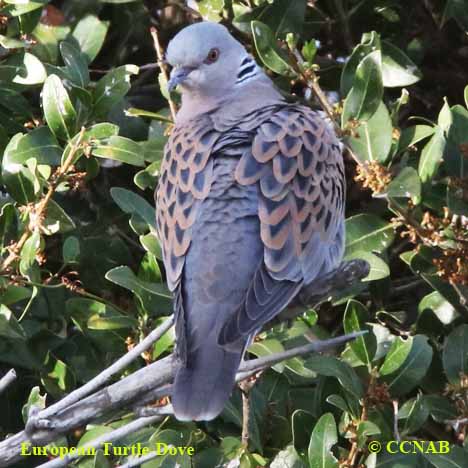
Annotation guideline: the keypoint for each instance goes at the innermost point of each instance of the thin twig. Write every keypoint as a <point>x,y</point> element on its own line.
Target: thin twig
<point>245,387</point>
<point>160,56</point>
<point>41,206</point>
<point>255,365</point>
<point>7,380</point>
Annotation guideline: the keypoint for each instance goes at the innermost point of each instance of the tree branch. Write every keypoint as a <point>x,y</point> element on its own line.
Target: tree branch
<point>7,380</point>
<point>154,381</point>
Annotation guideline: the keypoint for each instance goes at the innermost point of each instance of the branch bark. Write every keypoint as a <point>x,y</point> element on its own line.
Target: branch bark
<point>154,381</point>
<point>7,380</point>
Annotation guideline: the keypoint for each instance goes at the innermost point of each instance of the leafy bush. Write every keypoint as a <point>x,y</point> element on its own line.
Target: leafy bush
<point>82,130</point>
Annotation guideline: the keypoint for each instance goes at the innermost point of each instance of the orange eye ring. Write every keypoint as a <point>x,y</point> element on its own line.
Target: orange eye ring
<point>212,56</point>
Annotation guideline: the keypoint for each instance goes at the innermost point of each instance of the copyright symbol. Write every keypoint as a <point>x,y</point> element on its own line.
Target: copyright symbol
<point>374,446</point>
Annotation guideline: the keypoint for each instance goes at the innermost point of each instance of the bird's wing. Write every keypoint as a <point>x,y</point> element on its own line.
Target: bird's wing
<point>186,176</point>
<point>296,161</point>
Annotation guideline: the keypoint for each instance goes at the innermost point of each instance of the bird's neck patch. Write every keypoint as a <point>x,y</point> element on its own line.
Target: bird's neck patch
<point>247,71</point>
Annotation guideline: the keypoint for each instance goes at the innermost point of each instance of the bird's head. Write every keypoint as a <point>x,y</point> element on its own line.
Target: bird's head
<point>207,60</point>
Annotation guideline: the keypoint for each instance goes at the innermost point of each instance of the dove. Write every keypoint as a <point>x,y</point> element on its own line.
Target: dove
<point>249,210</point>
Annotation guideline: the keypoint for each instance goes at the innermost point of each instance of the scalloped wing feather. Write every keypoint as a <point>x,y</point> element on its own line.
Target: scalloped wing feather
<point>296,160</point>
<point>186,177</point>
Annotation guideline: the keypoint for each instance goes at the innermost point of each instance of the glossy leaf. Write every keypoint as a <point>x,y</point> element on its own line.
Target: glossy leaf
<point>367,232</point>
<point>431,156</point>
<point>120,149</point>
<point>397,68</point>
<point>372,139</point>
<point>324,436</point>
<point>268,50</point>
<point>23,69</point>
<point>455,354</point>
<point>76,64</point>
<point>90,33</point>
<point>124,277</point>
<point>396,356</point>
<point>354,320</point>
<point>58,109</point>
<point>134,204</point>
<point>413,369</point>
<point>366,94</point>
<point>406,184</point>
<point>9,326</point>
<point>412,135</point>
<point>111,89</point>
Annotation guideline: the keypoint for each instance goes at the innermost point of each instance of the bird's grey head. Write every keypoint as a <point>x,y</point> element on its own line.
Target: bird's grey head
<point>208,61</point>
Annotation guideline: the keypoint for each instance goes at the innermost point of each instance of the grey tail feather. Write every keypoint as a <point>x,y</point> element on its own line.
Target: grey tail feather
<point>202,389</point>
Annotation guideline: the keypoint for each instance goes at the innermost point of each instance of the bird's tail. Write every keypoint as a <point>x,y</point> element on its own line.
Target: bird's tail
<point>202,388</point>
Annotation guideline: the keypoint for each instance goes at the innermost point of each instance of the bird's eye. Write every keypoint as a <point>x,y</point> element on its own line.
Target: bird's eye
<point>212,56</point>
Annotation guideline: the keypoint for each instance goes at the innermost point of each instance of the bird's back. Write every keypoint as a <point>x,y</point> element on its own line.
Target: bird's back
<point>248,210</point>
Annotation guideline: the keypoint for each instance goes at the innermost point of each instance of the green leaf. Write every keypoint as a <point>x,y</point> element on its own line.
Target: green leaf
<point>17,179</point>
<point>57,220</point>
<point>354,320</point>
<point>458,10</point>
<point>431,156</point>
<point>412,135</point>
<point>368,233</point>
<point>406,184</point>
<point>287,458</point>
<point>456,457</point>
<point>120,149</point>
<point>112,88</point>
<point>366,94</point>
<point>35,399</point>
<point>58,109</point>
<point>332,367</point>
<point>413,369</point>
<point>268,50</point>
<point>444,120</point>
<point>465,95</point>
<point>455,354</point>
<point>9,326</point>
<point>23,69</point>
<point>324,436</point>
<point>373,140</point>
<point>396,356</point>
<point>39,144</point>
<point>117,322</point>
<point>440,408</point>
<point>415,413</point>
<point>441,308</point>
<point>125,277</point>
<point>211,10</point>
<point>370,42</point>
<point>378,267</point>
<point>28,254</point>
<point>397,68</point>
<point>98,134</point>
<point>132,203</point>
<point>454,160</point>
<point>90,33</point>
<point>76,64</point>
<point>267,347</point>
<point>21,7</point>
<point>71,250</point>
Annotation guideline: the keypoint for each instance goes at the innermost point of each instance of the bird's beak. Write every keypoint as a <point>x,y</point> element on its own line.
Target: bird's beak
<point>178,76</point>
